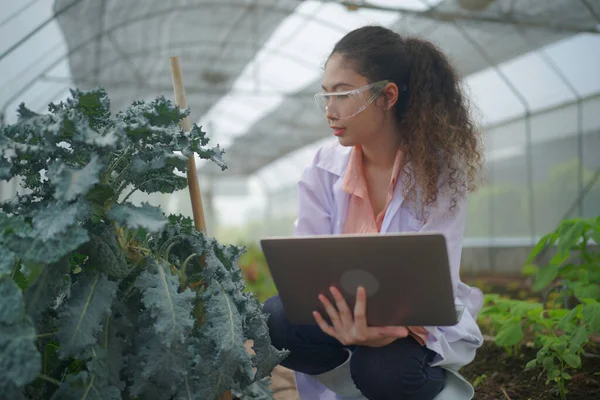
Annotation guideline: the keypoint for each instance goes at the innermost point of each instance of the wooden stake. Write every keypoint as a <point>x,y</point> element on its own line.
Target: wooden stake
<point>192,174</point>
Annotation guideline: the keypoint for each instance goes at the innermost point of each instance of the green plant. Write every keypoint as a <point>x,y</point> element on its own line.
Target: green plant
<point>256,273</point>
<point>563,331</point>
<point>103,299</point>
<point>507,319</point>
<point>561,336</point>
<point>479,380</point>
<point>575,267</point>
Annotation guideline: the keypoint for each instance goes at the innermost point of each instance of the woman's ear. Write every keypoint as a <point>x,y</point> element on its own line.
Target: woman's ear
<point>390,93</point>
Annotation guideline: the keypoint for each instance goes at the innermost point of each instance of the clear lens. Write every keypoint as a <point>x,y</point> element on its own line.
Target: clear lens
<point>345,105</point>
<point>341,106</point>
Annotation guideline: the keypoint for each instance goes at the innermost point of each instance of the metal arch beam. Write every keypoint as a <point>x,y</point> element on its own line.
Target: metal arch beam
<point>126,58</point>
<point>431,13</point>
<point>123,55</point>
<point>445,16</point>
<point>232,115</point>
<point>16,13</point>
<point>98,43</point>
<point>191,44</point>
<point>38,28</point>
<point>35,62</point>
<point>51,99</point>
<point>148,16</point>
<point>42,76</point>
<point>591,10</point>
<point>563,77</point>
<point>221,45</point>
<point>528,144</point>
<point>541,111</point>
<point>189,89</point>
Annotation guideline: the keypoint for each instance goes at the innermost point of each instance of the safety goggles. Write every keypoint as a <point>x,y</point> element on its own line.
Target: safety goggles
<point>345,105</point>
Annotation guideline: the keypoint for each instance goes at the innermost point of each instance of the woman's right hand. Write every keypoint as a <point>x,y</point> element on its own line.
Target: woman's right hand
<point>351,328</point>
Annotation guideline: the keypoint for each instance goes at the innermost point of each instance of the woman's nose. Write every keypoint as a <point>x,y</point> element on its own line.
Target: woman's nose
<point>329,114</point>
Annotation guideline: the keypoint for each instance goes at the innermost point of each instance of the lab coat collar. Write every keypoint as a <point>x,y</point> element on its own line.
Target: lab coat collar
<point>334,158</point>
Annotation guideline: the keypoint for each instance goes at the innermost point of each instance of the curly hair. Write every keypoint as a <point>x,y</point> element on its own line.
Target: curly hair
<point>437,132</point>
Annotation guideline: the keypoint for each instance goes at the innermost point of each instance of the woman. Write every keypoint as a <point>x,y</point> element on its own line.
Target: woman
<point>407,154</point>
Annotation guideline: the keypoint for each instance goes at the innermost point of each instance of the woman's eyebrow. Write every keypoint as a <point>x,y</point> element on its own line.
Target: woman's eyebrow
<point>336,86</point>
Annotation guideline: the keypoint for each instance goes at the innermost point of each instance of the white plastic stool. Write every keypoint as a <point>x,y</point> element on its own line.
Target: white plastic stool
<point>456,388</point>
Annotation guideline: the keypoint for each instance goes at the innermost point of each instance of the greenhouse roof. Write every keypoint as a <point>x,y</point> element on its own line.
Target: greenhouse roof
<point>251,66</point>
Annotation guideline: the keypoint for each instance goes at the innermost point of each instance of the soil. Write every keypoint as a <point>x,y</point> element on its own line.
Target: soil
<point>498,376</point>
<point>506,379</point>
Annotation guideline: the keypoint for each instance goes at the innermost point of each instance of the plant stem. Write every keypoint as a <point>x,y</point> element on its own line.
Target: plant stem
<point>120,176</point>
<point>168,250</point>
<point>187,388</point>
<point>185,263</point>
<point>129,194</point>
<point>42,335</point>
<point>139,248</point>
<point>120,188</point>
<point>565,290</point>
<point>106,332</point>
<point>114,165</point>
<point>547,296</point>
<point>167,243</point>
<point>143,183</point>
<point>561,381</point>
<point>49,379</point>
<point>17,266</point>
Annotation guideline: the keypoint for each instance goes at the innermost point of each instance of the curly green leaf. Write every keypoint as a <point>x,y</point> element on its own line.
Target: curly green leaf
<point>147,217</point>
<point>170,309</point>
<point>591,314</point>
<point>44,290</point>
<point>83,315</point>
<point>71,183</point>
<point>509,334</point>
<point>20,361</point>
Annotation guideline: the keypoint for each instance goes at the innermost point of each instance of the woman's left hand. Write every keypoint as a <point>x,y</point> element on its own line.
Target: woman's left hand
<point>351,328</point>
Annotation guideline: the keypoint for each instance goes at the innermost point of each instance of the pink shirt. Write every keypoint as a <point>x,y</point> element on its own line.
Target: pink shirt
<point>360,217</point>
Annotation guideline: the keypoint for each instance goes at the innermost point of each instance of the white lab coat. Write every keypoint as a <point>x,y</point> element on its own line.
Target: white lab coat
<point>322,210</point>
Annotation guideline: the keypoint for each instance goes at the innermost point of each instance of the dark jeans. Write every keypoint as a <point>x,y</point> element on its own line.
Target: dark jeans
<point>399,370</point>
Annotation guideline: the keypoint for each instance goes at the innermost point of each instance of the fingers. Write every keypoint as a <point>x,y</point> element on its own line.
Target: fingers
<point>334,316</point>
<point>398,332</point>
<point>342,306</point>
<point>350,327</point>
<point>325,327</point>
<point>360,307</point>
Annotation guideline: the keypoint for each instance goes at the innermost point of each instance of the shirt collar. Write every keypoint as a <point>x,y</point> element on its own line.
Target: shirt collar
<point>354,177</point>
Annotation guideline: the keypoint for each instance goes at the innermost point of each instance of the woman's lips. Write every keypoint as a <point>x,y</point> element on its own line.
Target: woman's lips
<point>338,131</point>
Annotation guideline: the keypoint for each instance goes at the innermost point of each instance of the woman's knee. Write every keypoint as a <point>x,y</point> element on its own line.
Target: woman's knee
<point>276,321</point>
<point>394,372</point>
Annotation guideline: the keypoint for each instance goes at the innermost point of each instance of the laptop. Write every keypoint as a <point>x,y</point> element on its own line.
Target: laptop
<point>406,276</point>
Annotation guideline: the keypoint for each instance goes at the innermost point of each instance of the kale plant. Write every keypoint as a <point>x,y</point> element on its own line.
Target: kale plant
<point>104,299</point>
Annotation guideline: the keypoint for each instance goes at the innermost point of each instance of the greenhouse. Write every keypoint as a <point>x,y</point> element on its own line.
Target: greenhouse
<point>104,170</point>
